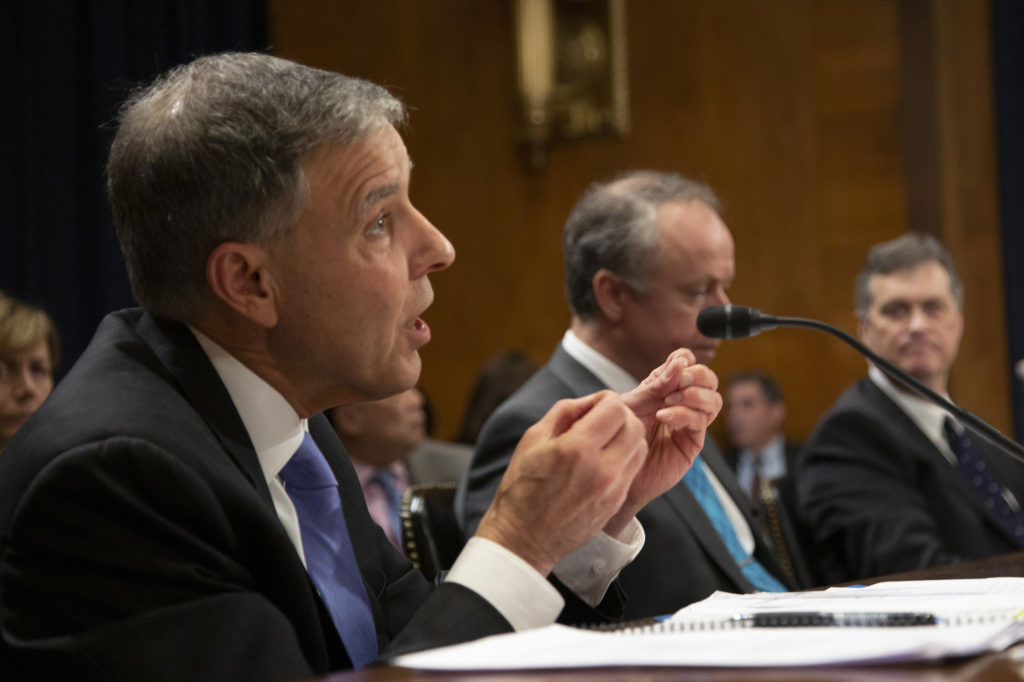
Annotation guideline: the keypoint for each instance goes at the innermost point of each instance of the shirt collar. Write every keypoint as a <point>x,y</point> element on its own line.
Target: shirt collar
<point>776,447</point>
<point>928,416</point>
<point>610,374</point>
<point>274,426</point>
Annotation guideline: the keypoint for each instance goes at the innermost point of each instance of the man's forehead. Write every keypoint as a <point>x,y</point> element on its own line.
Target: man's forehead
<point>925,281</point>
<point>375,193</point>
<point>745,390</point>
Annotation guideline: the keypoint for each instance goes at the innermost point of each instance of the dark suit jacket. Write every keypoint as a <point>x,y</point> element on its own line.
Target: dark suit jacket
<point>139,540</point>
<point>880,498</point>
<point>683,559</point>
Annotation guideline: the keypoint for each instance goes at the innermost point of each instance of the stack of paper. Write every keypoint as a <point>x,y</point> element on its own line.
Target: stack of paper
<point>970,617</point>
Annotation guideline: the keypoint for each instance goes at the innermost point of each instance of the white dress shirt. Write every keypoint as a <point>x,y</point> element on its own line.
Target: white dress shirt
<point>620,381</point>
<point>928,416</point>
<point>522,595</point>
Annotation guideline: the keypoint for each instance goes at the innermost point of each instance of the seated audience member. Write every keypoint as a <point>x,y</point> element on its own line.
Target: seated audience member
<point>765,462</point>
<point>888,481</point>
<point>379,435</point>
<point>180,509</point>
<point>499,378</point>
<point>755,410</point>
<point>434,460</point>
<point>644,254</point>
<point>29,352</point>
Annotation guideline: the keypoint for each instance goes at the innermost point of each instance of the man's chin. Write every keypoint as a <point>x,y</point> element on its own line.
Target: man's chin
<point>411,369</point>
<point>922,372</point>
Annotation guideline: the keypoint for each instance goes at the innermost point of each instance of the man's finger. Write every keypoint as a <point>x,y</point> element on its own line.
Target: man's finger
<point>602,421</point>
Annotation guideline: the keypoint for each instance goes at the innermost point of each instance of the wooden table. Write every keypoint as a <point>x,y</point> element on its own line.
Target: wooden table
<point>997,667</point>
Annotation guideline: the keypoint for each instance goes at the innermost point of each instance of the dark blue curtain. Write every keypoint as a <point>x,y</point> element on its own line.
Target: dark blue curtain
<point>66,66</point>
<point>1008,44</point>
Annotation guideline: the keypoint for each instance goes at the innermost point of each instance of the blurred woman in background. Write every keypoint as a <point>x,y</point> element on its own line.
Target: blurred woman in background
<point>29,351</point>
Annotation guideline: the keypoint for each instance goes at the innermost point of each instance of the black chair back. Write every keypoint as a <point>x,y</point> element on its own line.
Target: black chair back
<point>430,533</point>
<point>788,536</point>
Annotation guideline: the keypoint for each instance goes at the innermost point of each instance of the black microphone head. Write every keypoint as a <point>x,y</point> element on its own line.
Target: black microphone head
<point>728,322</point>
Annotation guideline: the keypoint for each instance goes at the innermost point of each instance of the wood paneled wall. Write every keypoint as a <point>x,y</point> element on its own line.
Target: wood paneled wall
<point>812,120</point>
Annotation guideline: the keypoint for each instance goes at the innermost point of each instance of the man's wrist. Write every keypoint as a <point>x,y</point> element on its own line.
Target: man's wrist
<point>591,569</point>
<point>511,585</point>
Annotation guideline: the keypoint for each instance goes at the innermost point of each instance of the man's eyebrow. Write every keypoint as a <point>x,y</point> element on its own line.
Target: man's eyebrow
<point>375,195</point>
<point>379,193</point>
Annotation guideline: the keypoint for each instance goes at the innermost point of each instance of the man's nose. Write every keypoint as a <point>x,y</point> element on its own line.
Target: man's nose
<point>918,318</point>
<point>436,252</point>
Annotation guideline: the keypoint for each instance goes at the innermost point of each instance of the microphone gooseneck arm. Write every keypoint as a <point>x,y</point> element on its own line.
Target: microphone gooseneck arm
<point>984,428</point>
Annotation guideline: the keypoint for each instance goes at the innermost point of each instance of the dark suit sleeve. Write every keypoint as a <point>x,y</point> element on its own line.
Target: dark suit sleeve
<point>120,564</point>
<point>860,497</point>
<point>452,614</point>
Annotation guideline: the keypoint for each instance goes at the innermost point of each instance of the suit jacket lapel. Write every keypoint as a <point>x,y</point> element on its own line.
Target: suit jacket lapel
<point>184,359</point>
<point>580,380</point>
<point>917,442</point>
<point>188,367</point>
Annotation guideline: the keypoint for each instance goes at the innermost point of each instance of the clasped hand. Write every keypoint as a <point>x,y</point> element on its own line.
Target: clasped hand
<point>591,463</point>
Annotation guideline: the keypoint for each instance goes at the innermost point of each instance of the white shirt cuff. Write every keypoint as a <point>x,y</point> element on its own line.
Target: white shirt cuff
<point>522,595</point>
<point>591,569</point>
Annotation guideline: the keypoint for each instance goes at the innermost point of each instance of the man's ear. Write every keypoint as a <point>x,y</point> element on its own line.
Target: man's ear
<point>778,414</point>
<point>862,325</point>
<point>610,292</point>
<point>238,276</point>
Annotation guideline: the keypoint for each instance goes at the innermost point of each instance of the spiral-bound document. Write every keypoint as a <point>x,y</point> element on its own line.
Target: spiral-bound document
<point>884,623</point>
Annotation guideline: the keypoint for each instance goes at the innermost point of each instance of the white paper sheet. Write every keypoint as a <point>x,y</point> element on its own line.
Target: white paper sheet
<point>976,616</point>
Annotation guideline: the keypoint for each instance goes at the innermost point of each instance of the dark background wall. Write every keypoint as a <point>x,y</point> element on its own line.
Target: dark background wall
<point>824,127</point>
<point>66,66</point>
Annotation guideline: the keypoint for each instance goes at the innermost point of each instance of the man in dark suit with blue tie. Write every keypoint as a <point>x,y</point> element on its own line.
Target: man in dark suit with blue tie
<point>644,254</point>
<point>881,481</point>
<point>180,509</point>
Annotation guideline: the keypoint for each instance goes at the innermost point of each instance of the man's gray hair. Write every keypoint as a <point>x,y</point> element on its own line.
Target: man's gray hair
<point>614,227</point>
<point>904,253</point>
<point>212,152</point>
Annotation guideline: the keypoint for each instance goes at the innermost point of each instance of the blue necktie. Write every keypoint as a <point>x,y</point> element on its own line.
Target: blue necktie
<point>973,467</point>
<point>386,480</point>
<point>698,482</point>
<point>330,560</point>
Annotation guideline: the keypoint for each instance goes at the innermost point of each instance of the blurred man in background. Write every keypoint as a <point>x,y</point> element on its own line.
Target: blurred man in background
<point>644,254</point>
<point>755,411</point>
<point>888,481</point>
